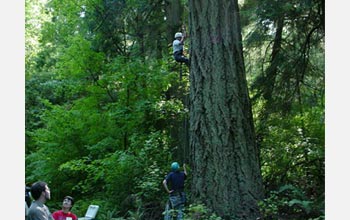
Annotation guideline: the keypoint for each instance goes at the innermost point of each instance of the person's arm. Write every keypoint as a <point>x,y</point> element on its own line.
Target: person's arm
<point>183,38</point>
<point>184,34</point>
<point>166,186</point>
<point>26,209</point>
<point>185,169</point>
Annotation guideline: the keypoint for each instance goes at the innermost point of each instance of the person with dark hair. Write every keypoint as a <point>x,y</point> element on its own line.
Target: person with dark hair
<point>65,213</point>
<point>38,210</point>
<point>177,196</point>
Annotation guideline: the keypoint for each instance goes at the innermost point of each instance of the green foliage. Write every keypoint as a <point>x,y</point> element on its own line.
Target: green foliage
<point>99,158</point>
<point>79,60</point>
<point>300,146</point>
<point>286,78</point>
<point>109,215</point>
<point>299,142</point>
<point>153,156</point>
<point>35,16</point>
<point>138,214</point>
<point>200,212</point>
<point>289,201</point>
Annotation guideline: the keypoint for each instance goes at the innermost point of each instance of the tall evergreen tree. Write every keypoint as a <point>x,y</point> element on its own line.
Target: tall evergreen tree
<point>226,173</point>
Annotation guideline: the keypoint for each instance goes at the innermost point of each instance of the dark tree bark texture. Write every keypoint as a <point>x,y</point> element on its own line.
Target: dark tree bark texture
<point>224,157</point>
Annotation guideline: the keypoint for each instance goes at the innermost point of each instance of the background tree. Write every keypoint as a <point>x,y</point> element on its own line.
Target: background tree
<point>284,50</point>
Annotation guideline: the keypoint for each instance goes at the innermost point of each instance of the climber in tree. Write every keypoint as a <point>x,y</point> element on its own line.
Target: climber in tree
<point>178,45</point>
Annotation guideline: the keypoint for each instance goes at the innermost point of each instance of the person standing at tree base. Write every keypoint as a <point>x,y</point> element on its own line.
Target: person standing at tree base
<point>177,196</point>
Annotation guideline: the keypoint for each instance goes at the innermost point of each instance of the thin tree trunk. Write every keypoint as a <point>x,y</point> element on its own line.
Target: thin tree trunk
<point>271,72</point>
<point>174,11</point>
<point>225,163</point>
<point>270,81</point>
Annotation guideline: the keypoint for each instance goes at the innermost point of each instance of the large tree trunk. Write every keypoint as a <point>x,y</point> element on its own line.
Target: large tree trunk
<point>225,163</point>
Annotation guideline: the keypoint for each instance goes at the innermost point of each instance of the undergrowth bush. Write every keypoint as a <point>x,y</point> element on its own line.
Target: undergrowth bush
<point>290,202</point>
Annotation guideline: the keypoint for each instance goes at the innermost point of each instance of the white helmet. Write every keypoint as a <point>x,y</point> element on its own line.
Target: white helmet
<point>178,34</point>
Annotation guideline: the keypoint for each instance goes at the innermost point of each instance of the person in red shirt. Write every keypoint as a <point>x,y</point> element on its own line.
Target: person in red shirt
<point>67,205</point>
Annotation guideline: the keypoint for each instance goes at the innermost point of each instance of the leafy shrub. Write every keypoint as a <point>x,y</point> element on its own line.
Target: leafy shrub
<point>289,201</point>
<point>200,212</point>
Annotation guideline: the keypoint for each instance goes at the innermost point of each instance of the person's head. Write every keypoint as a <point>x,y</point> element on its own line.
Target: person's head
<point>175,166</point>
<point>40,190</point>
<point>68,202</point>
<point>178,35</point>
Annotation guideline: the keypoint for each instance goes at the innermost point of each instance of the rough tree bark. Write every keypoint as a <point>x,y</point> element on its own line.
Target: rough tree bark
<point>224,156</point>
